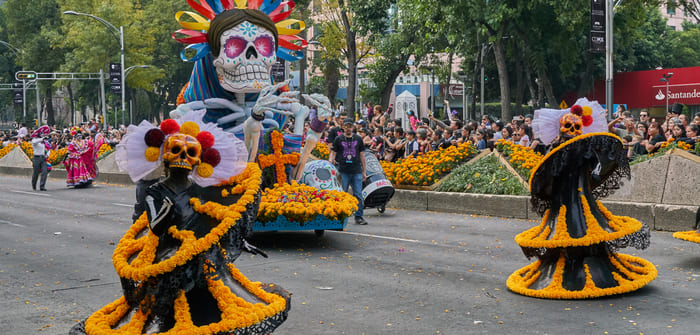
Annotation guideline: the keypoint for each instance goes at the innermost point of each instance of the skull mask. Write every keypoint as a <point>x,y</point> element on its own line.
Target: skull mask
<point>571,125</point>
<point>182,151</point>
<point>245,58</point>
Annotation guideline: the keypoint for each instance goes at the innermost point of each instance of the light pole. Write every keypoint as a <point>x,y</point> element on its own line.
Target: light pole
<point>115,31</point>
<point>666,78</point>
<point>126,74</point>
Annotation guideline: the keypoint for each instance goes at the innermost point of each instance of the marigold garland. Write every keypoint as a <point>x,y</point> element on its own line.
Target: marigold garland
<point>302,203</point>
<point>321,151</point>
<point>426,169</point>
<point>227,215</point>
<point>639,270</point>
<point>691,236</point>
<point>278,159</point>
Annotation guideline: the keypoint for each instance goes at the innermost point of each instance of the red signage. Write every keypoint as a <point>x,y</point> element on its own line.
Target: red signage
<point>453,90</point>
<point>643,89</point>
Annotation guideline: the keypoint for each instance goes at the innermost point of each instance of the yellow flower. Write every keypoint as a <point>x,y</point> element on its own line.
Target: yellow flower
<point>190,128</point>
<point>152,154</point>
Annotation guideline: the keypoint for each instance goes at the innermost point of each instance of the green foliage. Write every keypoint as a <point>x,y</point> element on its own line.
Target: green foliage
<point>316,85</point>
<point>485,176</point>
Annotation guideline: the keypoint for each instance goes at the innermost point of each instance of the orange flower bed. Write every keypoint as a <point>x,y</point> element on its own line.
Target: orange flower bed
<point>426,169</point>
<point>6,150</point>
<point>523,159</point>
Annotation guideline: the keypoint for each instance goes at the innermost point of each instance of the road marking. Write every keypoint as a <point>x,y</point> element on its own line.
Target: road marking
<point>11,223</point>
<point>375,236</point>
<point>122,205</point>
<point>31,193</point>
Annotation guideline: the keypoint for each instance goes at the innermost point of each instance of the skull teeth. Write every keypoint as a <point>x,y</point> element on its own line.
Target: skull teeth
<point>247,73</point>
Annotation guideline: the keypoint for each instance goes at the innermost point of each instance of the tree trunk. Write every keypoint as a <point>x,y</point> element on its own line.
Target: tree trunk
<point>519,86</point>
<point>499,54</point>
<point>50,118</point>
<point>331,74</point>
<point>547,87</point>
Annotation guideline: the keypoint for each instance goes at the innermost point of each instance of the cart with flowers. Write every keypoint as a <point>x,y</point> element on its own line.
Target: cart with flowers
<point>317,203</point>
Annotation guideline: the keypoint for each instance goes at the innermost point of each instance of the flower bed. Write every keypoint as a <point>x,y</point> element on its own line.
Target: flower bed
<point>428,168</point>
<point>6,150</point>
<point>522,159</point>
<point>485,176</point>
<point>57,156</point>
<point>104,151</point>
<point>302,203</point>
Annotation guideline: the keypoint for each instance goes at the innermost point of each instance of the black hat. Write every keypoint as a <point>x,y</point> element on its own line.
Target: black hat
<point>348,121</point>
<point>677,108</point>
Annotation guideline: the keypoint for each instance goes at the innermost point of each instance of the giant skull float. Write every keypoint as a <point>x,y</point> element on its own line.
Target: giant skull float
<point>244,51</point>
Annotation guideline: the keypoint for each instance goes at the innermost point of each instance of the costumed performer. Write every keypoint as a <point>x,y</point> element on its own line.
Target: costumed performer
<point>576,242</point>
<point>80,162</point>
<point>175,262</point>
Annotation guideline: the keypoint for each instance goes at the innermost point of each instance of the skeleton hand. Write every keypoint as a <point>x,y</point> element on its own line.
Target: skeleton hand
<point>324,110</point>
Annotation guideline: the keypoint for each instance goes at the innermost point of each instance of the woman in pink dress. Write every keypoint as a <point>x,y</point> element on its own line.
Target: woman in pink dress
<point>80,165</point>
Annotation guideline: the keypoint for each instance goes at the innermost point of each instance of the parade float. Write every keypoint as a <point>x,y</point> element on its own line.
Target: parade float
<point>577,240</point>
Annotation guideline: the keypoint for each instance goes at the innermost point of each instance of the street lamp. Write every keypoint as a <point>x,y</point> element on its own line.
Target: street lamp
<point>666,78</point>
<point>114,31</point>
<point>126,74</point>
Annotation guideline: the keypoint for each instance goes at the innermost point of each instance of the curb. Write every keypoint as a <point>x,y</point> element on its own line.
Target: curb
<point>663,217</point>
<point>102,177</point>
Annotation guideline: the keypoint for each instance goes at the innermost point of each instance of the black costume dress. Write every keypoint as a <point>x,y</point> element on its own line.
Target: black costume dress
<point>178,276</point>
<point>576,241</point>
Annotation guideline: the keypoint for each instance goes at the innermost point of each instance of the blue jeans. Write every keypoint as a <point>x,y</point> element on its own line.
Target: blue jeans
<point>356,180</point>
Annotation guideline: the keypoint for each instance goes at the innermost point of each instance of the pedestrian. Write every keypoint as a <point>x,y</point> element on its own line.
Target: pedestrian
<point>39,160</point>
<point>349,150</point>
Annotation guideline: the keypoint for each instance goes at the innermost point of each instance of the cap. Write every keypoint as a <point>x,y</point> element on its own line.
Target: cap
<point>360,121</point>
<point>348,121</point>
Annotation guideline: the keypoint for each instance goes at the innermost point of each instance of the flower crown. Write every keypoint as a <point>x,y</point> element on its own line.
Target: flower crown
<point>222,157</point>
<point>74,130</point>
<point>197,31</point>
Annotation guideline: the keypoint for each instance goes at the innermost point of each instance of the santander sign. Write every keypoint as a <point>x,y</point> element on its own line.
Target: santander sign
<point>685,94</point>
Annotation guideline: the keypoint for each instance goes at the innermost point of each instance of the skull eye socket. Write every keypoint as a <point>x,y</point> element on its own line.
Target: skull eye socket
<point>577,126</point>
<point>192,152</point>
<point>235,46</point>
<point>175,149</point>
<point>567,125</point>
<point>265,45</point>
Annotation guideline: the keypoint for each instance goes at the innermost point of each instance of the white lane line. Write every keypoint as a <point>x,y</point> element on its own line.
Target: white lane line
<point>374,236</point>
<point>32,193</point>
<point>122,205</point>
<point>11,223</point>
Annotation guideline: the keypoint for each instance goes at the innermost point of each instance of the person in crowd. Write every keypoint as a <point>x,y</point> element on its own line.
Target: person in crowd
<point>389,140</point>
<point>481,139</point>
<point>337,130</point>
<point>507,133</point>
<point>641,129</point>
<point>424,144</point>
<point>436,140</point>
<point>497,127</point>
<point>525,133</point>
<point>466,134</point>
<point>691,135</point>
<point>486,121</point>
<point>448,138</point>
<point>400,144</point>
<point>696,119</point>
<point>678,131</point>
<point>22,131</point>
<point>348,152</point>
<point>412,120</point>
<point>684,120</point>
<point>528,120</point>
<point>412,146</point>
<point>366,139</point>
<point>380,118</point>
<point>644,116</point>
<point>656,138</point>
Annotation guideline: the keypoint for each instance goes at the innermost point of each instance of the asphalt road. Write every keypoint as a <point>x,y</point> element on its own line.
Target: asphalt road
<point>407,272</point>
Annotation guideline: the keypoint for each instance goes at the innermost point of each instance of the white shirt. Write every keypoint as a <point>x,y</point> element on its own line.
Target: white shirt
<point>38,146</point>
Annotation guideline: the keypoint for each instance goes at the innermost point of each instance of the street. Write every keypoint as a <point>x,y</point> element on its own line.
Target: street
<point>406,272</point>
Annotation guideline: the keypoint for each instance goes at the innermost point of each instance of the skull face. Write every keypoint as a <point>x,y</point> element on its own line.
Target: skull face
<point>182,151</point>
<point>571,125</point>
<point>246,58</point>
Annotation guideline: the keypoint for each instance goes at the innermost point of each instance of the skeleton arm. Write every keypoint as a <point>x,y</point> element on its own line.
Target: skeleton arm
<point>319,119</point>
<point>155,217</point>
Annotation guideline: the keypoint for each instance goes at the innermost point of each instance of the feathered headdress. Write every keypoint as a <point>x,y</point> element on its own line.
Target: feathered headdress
<point>197,31</point>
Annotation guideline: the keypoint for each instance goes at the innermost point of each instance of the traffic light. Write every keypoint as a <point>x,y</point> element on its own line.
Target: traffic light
<point>115,78</point>
<point>36,122</point>
<point>25,75</point>
<point>101,119</point>
<point>17,96</point>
